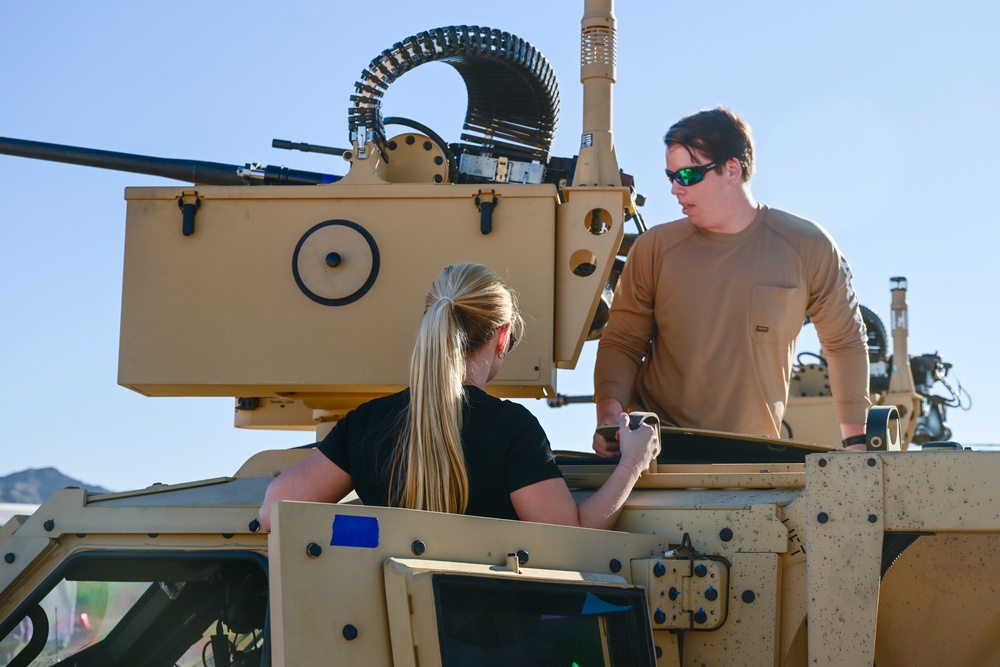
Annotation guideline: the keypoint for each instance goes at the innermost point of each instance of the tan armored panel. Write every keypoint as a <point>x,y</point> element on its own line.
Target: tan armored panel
<point>317,292</point>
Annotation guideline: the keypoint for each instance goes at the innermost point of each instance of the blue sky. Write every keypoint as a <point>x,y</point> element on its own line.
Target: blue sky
<point>875,119</point>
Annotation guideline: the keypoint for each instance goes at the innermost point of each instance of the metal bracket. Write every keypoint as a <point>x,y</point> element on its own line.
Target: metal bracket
<point>362,153</point>
<point>882,429</point>
<point>684,591</point>
<point>188,210</point>
<point>486,211</point>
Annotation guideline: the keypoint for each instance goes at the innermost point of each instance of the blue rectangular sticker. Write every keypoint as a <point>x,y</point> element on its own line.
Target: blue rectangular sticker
<point>354,531</point>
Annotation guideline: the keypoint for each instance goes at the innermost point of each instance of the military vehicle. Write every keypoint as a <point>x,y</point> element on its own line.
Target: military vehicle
<point>731,550</point>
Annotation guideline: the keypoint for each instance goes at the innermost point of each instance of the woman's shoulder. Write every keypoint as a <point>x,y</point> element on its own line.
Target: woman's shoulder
<point>490,412</point>
<point>481,399</point>
<point>378,409</point>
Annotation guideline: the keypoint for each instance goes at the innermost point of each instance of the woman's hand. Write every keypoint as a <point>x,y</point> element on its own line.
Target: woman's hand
<point>638,447</point>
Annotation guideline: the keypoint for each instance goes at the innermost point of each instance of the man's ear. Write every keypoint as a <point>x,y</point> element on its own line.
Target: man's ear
<point>733,169</point>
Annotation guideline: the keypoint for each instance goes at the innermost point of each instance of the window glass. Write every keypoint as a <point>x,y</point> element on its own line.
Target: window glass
<point>491,621</point>
<point>116,610</point>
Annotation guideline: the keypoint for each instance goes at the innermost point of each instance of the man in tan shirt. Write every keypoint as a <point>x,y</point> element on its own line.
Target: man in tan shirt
<point>703,325</point>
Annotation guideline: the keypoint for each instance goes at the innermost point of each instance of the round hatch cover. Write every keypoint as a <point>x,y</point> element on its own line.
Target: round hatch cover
<point>336,262</point>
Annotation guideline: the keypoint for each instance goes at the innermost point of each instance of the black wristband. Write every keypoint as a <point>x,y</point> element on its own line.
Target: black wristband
<point>855,440</point>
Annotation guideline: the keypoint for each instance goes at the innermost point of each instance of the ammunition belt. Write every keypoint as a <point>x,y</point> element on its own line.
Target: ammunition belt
<point>513,104</point>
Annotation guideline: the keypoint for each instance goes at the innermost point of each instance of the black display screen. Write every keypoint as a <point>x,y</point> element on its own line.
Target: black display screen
<point>487,621</point>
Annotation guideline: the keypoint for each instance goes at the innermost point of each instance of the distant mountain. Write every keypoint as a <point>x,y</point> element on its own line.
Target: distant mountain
<point>34,486</point>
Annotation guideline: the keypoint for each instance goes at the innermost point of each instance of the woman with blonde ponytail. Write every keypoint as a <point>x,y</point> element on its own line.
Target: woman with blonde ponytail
<point>444,444</point>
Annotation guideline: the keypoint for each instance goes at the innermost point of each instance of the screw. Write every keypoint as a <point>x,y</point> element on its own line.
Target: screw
<point>872,518</point>
<point>748,596</point>
<point>711,594</point>
<point>313,550</point>
<point>871,463</point>
<point>673,594</point>
<point>659,570</point>
<point>822,463</point>
<point>8,558</point>
<point>49,525</point>
<point>726,534</point>
<point>350,632</point>
<point>418,547</point>
<point>700,616</point>
<point>659,617</point>
<point>333,259</point>
<point>659,652</point>
<point>522,556</point>
<point>700,570</point>
<point>615,565</point>
<point>822,517</point>
<point>254,526</point>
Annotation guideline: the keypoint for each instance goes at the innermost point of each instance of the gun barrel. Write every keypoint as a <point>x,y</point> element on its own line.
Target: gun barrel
<point>192,171</point>
<point>198,172</point>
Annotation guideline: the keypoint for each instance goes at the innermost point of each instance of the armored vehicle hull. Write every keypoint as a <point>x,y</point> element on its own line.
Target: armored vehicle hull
<point>298,300</point>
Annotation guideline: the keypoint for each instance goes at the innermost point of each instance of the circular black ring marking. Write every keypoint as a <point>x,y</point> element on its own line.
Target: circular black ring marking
<point>361,291</point>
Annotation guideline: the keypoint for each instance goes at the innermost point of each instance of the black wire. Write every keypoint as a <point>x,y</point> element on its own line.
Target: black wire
<point>819,357</point>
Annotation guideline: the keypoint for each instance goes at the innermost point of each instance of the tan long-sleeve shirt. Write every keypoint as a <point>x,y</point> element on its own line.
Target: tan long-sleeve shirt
<point>703,325</point>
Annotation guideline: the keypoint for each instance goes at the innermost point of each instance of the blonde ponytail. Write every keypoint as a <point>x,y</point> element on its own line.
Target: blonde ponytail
<point>466,305</point>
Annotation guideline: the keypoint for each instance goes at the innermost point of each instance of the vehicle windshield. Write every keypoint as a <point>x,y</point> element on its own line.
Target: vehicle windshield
<point>185,610</point>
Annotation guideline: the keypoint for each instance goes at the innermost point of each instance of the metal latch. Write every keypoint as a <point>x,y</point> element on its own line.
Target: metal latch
<point>486,210</point>
<point>188,209</point>
<point>684,592</point>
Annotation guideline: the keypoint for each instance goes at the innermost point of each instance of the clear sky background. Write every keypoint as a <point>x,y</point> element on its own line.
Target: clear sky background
<point>876,119</point>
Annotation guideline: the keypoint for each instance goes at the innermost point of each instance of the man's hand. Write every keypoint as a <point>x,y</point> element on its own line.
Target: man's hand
<point>608,411</point>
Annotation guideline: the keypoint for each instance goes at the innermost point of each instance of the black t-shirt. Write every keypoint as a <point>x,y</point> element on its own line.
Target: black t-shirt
<point>505,449</point>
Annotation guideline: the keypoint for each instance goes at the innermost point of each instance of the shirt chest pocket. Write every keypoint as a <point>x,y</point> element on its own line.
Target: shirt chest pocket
<point>776,314</point>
